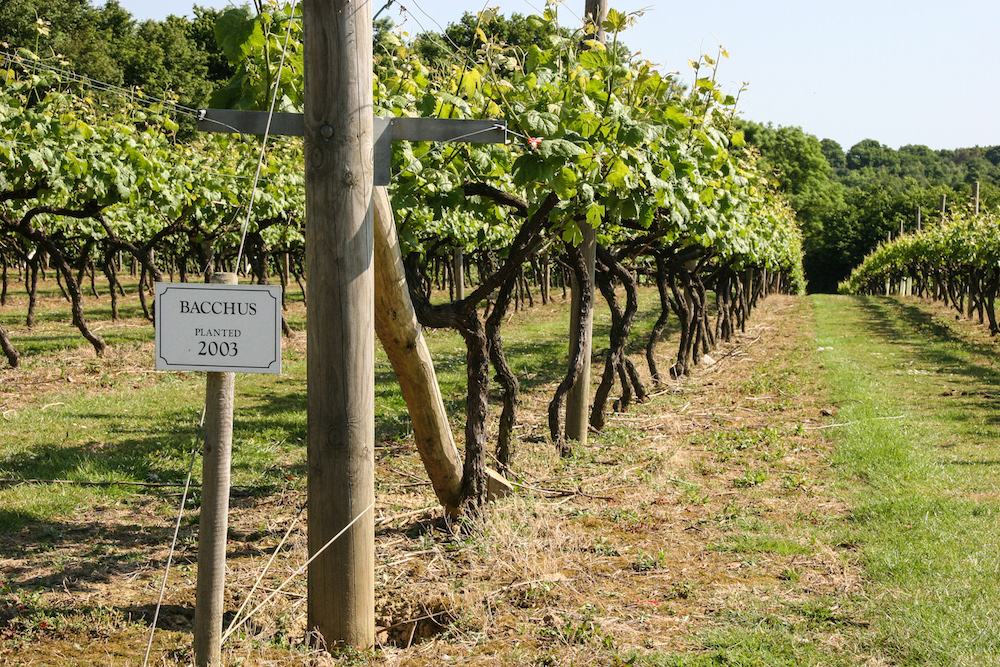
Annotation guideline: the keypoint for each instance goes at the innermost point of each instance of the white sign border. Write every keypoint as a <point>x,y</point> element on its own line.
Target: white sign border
<point>161,328</point>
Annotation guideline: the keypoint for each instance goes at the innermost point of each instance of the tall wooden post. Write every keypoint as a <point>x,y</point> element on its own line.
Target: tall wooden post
<point>944,205</point>
<point>578,398</point>
<point>975,197</point>
<point>213,523</point>
<point>340,319</point>
<point>459,273</point>
<point>597,11</point>
<point>918,219</point>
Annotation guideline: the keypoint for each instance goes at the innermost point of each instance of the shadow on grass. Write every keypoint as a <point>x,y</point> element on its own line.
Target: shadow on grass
<point>936,345</point>
<point>84,556</point>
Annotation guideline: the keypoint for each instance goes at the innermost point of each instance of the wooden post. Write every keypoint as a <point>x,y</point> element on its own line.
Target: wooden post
<point>458,274</point>
<point>944,204</point>
<point>578,398</point>
<point>918,219</point>
<point>213,525</point>
<point>975,197</point>
<point>403,339</point>
<point>340,320</point>
<point>546,279</point>
<point>597,11</point>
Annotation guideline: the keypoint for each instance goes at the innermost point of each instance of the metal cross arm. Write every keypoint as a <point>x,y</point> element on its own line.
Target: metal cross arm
<point>386,131</point>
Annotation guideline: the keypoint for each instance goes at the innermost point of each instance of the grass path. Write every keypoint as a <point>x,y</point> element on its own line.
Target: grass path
<point>919,455</point>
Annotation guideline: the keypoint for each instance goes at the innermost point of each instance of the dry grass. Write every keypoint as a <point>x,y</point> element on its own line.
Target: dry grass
<point>697,504</point>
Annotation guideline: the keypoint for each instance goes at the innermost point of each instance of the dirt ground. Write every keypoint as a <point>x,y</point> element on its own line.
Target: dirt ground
<point>695,506</point>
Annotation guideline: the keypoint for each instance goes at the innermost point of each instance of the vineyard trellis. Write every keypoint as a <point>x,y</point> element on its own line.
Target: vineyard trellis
<point>604,139</point>
<point>956,262</point>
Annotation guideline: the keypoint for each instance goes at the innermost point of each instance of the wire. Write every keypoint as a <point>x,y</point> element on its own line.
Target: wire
<point>236,617</point>
<point>127,94</point>
<point>263,144</point>
<point>173,543</point>
<point>96,84</point>
<point>82,154</point>
<point>384,7</point>
<point>297,572</point>
<point>440,144</point>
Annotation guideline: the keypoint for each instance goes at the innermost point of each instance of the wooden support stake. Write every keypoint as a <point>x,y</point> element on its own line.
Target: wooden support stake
<point>340,320</point>
<point>213,524</point>
<point>459,274</point>
<point>975,197</point>
<point>578,398</point>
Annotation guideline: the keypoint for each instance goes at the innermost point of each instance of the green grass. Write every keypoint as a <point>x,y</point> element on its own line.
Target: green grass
<point>132,430</point>
<point>921,467</point>
<point>917,459</point>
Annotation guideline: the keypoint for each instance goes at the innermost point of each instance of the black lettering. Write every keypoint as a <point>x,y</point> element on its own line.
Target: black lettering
<point>253,308</point>
<point>185,307</point>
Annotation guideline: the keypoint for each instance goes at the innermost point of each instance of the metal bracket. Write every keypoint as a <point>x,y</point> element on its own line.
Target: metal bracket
<point>385,130</point>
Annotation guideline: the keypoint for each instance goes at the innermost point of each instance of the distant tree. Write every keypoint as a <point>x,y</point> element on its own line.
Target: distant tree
<point>800,167</point>
<point>873,155</point>
<point>176,57</point>
<point>993,155</point>
<point>69,33</point>
<point>798,163</point>
<point>437,50</point>
<point>835,156</point>
<point>164,60</point>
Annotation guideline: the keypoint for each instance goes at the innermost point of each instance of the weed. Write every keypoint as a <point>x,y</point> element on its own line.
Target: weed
<point>750,478</point>
<point>645,562</point>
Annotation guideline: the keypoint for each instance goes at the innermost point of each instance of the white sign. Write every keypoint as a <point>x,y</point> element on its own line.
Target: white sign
<point>227,328</point>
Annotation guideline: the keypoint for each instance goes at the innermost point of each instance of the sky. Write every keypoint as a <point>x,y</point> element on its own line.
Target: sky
<point>914,72</point>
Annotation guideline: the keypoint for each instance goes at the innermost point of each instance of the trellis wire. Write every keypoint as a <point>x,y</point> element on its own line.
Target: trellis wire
<point>173,543</point>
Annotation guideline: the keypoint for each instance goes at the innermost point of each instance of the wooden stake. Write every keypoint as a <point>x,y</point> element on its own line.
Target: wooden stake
<point>340,320</point>
<point>459,274</point>
<point>578,398</point>
<point>975,196</point>
<point>597,11</point>
<point>213,525</point>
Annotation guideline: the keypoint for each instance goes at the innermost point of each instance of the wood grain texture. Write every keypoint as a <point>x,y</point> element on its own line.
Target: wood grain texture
<point>340,319</point>
<point>213,523</point>
<point>400,333</point>
<point>578,399</point>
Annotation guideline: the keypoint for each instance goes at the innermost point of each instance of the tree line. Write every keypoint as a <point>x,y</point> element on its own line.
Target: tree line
<point>848,201</point>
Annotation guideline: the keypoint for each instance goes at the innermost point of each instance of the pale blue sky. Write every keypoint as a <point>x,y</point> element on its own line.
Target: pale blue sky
<point>914,72</point>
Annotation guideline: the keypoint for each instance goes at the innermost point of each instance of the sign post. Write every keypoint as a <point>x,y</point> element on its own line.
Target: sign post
<point>221,328</point>
<point>348,152</point>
